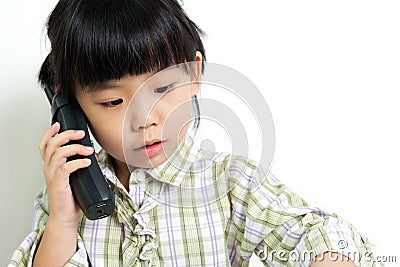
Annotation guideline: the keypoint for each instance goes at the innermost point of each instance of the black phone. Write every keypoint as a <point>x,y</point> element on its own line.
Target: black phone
<point>89,186</point>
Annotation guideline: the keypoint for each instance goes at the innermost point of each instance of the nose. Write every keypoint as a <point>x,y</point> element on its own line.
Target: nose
<point>142,115</point>
<point>149,122</point>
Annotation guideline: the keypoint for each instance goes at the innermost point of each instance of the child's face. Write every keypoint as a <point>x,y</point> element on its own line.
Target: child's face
<point>128,113</point>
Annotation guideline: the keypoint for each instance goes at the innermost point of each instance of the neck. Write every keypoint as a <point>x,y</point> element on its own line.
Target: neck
<point>122,172</point>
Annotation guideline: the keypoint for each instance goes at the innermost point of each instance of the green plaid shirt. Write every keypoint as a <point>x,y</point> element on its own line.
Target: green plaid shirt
<point>203,209</point>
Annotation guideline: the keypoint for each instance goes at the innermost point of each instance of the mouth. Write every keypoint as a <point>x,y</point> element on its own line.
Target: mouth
<point>151,148</point>
<point>149,144</point>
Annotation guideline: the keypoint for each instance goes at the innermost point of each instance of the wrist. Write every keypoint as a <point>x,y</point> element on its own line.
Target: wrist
<point>62,224</point>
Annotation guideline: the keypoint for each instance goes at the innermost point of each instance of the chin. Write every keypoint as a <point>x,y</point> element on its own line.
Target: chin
<point>146,162</point>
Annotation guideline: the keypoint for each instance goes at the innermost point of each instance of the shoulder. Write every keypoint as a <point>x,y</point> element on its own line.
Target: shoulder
<point>238,170</point>
<point>229,161</point>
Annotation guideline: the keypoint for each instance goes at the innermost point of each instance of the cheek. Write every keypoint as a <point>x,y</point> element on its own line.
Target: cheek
<point>176,118</point>
<point>177,106</point>
<point>107,132</point>
<point>176,112</point>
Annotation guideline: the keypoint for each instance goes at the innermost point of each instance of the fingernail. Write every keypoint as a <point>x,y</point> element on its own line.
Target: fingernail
<point>87,162</point>
<point>54,124</point>
<point>79,132</point>
<point>89,148</point>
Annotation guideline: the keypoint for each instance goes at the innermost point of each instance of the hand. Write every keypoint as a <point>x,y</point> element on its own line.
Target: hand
<point>332,259</point>
<point>56,169</point>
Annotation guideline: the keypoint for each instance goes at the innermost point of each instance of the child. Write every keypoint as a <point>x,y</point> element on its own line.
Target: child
<point>104,54</point>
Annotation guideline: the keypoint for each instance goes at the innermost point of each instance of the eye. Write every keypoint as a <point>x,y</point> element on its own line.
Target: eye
<point>164,89</point>
<point>112,104</point>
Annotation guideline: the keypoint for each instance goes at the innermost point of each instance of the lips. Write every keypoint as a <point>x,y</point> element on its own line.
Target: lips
<point>150,143</point>
<point>151,149</point>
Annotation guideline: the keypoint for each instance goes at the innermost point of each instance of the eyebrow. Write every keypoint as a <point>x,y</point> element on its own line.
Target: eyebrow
<point>103,86</point>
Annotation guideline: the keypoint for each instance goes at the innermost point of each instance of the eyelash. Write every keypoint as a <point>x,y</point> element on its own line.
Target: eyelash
<point>112,104</point>
<point>168,88</point>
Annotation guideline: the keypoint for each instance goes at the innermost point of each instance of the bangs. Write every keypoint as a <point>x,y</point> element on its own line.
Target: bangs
<point>104,40</point>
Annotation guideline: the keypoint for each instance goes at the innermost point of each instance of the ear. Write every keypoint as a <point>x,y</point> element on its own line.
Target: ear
<point>198,68</point>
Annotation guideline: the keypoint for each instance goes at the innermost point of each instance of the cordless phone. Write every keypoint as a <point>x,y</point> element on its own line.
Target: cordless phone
<point>89,186</point>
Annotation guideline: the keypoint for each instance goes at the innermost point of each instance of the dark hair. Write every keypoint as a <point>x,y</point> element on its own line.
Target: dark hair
<point>97,40</point>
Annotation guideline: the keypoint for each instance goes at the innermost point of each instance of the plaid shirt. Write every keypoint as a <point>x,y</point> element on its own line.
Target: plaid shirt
<point>203,209</point>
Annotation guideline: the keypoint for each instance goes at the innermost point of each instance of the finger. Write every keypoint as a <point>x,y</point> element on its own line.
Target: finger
<point>69,167</point>
<point>62,153</point>
<point>49,133</point>
<point>59,140</point>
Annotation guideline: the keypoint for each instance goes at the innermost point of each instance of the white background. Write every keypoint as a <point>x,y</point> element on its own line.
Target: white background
<point>329,71</point>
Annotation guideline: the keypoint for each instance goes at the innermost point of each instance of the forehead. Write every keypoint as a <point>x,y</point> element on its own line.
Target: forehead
<point>174,74</point>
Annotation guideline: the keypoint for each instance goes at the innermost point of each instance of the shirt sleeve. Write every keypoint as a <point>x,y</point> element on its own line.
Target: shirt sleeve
<point>282,230</point>
<point>23,255</point>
